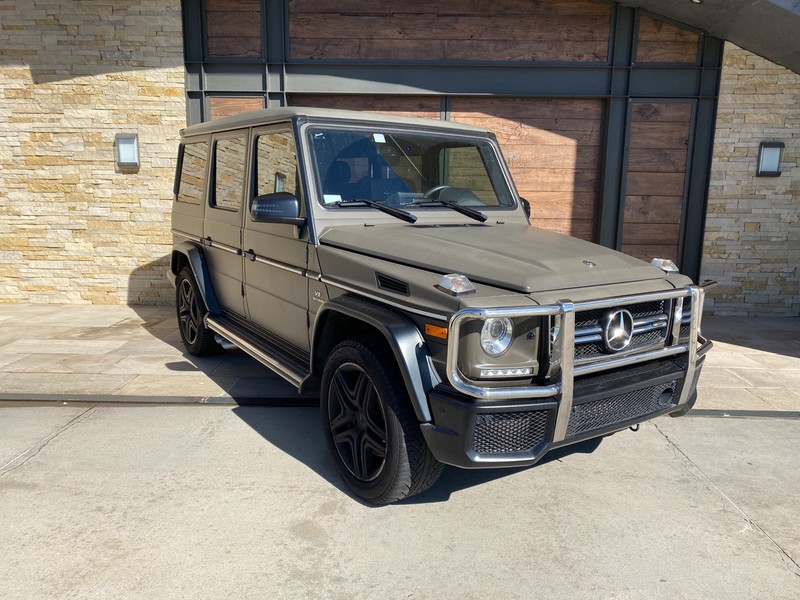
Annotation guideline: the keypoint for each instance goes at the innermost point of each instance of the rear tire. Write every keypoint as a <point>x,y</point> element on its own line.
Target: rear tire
<point>197,338</point>
<point>370,427</point>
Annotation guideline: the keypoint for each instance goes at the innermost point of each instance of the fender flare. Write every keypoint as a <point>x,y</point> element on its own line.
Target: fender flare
<point>403,337</point>
<point>199,266</point>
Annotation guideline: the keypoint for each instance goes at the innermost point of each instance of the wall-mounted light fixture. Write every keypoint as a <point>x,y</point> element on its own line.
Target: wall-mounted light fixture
<point>769,159</point>
<point>126,148</point>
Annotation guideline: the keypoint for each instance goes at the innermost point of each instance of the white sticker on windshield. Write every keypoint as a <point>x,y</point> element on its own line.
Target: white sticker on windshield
<point>379,138</point>
<point>331,198</point>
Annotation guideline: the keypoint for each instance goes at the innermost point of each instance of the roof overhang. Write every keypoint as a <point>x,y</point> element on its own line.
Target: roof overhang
<point>769,28</point>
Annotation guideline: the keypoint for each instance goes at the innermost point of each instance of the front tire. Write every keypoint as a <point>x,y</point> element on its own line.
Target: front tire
<point>370,427</point>
<point>196,337</point>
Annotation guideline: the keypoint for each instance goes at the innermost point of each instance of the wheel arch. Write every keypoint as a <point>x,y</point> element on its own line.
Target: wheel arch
<point>349,316</point>
<point>186,254</point>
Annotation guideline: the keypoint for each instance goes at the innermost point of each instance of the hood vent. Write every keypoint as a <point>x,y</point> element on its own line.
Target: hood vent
<point>390,284</point>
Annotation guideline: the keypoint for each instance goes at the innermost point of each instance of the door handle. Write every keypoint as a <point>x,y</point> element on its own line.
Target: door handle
<point>250,254</point>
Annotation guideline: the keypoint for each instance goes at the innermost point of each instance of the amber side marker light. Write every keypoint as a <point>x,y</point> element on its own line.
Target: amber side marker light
<point>436,331</point>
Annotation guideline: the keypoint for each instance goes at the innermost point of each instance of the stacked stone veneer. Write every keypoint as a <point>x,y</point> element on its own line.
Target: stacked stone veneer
<point>73,74</point>
<point>752,239</point>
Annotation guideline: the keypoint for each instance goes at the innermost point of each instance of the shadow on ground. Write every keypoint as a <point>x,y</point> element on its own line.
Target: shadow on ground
<point>298,433</point>
<point>286,420</point>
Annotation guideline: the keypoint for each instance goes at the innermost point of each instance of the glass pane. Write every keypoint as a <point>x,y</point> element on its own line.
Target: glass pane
<point>276,164</point>
<point>229,167</point>
<point>193,172</point>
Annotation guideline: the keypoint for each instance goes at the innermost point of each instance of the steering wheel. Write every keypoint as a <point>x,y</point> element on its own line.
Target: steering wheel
<point>434,189</point>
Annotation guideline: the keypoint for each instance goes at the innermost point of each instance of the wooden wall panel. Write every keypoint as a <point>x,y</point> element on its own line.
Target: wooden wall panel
<point>655,181</point>
<point>560,30</point>
<point>553,150</point>
<point>225,106</point>
<point>663,42</point>
<point>408,106</point>
<point>234,27</point>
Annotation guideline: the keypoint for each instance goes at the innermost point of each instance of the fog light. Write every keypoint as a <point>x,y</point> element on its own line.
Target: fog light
<point>519,372</point>
<point>496,336</point>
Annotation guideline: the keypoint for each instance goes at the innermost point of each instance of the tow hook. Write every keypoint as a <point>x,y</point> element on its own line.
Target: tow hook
<point>634,427</point>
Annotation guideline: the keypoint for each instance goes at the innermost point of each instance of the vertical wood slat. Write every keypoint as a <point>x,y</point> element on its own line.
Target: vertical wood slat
<point>552,147</point>
<point>663,42</point>
<point>226,106</point>
<point>655,180</point>
<point>234,27</point>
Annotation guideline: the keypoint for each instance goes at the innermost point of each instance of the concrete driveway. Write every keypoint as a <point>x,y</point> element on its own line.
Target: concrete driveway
<point>243,502</point>
<point>162,482</point>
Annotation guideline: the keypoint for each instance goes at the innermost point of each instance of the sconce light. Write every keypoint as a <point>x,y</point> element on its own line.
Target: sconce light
<point>769,159</point>
<point>126,147</point>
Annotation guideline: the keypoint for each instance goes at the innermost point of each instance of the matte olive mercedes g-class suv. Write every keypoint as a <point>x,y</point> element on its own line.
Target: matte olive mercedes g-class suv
<point>389,263</point>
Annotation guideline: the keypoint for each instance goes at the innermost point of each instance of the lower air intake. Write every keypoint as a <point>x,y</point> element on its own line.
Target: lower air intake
<point>607,412</point>
<point>504,433</point>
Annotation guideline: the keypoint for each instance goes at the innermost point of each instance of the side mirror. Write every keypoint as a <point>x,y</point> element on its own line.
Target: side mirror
<point>526,206</point>
<point>280,207</point>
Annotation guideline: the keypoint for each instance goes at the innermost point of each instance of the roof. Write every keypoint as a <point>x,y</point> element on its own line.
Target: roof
<point>268,116</point>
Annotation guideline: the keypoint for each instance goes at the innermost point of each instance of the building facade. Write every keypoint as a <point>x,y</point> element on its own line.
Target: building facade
<point>606,116</point>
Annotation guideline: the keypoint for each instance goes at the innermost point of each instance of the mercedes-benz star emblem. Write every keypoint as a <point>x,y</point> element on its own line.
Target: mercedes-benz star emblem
<point>617,330</point>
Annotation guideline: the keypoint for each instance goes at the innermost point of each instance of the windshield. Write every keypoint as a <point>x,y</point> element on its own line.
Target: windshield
<point>406,168</point>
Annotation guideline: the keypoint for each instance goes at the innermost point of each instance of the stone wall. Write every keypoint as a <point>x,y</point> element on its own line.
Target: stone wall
<point>752,239</point>
<point>73,74</point>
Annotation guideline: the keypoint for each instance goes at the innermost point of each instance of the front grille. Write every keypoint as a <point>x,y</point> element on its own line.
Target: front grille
<point>587,318</point>
<point>504,433</point>
<point>650,330</point>
<point>607,412</point>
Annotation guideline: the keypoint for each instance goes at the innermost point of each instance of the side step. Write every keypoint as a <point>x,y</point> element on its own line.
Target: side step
<point>268,354</point>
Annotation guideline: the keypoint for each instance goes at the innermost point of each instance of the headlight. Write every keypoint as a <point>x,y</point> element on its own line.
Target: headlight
<point>496,336</point>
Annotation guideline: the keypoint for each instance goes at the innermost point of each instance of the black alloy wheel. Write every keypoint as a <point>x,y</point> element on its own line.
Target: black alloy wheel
<point>370,426</point>
<point>197,338</point>
<point>357,422</point>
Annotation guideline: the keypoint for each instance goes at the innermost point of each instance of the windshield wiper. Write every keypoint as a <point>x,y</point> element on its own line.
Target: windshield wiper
<point>398,213</point>
<point>464,210</point>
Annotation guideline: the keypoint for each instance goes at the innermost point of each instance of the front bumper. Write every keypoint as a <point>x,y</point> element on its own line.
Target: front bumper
<point>507,426</point>
<point>474,433</point>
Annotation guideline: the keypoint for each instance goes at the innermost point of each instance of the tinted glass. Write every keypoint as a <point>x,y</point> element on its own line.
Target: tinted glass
<point>405,167</point>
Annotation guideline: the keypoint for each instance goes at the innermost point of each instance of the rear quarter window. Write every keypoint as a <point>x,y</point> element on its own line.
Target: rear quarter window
<point>192,173</point>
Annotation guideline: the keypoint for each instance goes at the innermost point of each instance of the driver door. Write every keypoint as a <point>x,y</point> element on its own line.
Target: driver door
<point>276,288</point>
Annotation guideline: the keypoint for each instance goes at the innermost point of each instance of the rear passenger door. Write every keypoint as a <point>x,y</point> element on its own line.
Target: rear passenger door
<point>222,229</point>
<point>276,288</point>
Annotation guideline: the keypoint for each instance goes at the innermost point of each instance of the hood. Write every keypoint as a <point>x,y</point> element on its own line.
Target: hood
<point>510,256</point>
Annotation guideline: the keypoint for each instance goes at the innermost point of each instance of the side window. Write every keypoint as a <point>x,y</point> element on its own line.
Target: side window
<point>276,164</point>
<point>229,169</point>
<point>193,172</point>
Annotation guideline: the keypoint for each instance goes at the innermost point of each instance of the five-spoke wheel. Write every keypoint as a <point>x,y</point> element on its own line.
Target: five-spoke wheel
<point>370,426</point>
<point>196,337</point>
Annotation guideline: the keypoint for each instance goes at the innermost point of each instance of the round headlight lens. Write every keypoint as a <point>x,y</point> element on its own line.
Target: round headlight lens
<point>496,336</point>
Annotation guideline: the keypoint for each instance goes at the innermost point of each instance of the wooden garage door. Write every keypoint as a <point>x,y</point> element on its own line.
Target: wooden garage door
<point>407,106</point>
<point>443,30</point>
<point>656,179</point>
<point>552,147</point>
